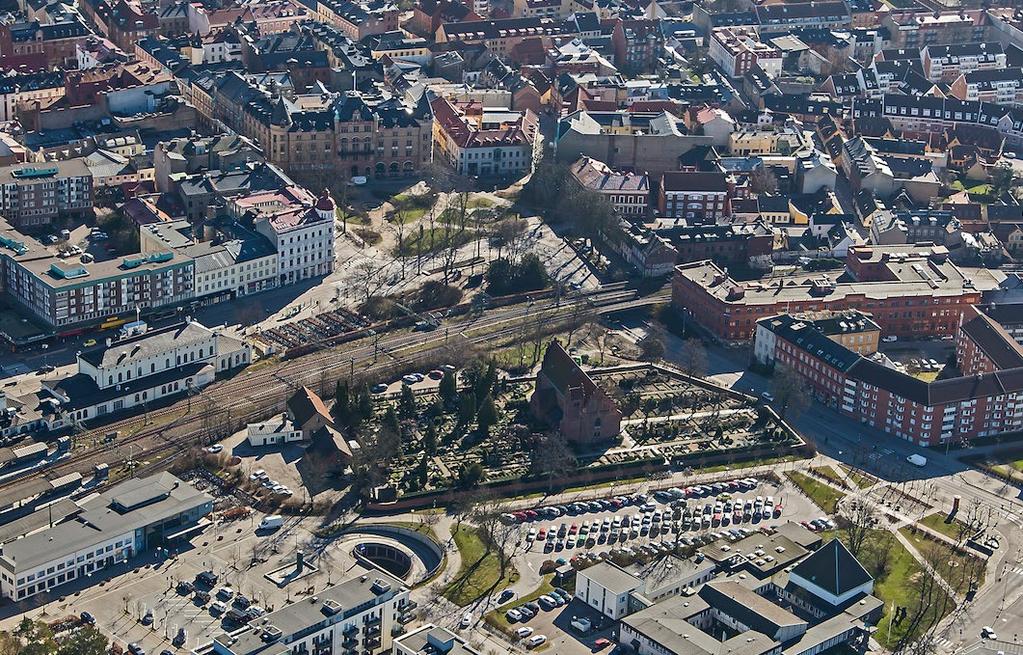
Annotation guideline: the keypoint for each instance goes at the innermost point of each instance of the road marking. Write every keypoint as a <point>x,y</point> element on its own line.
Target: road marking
<point>943,643</point>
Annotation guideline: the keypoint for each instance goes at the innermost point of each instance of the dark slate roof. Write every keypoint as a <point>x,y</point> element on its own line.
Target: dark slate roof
<point>992,339</point>
<point>1007,314</point>
<point>804,335</point>
<point>686,181</point>
<point>833,568</point>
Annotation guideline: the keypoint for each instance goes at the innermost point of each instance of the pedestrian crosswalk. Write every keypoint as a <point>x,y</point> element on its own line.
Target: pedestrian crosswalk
<point>1018,570</point>
<point>944,645</point>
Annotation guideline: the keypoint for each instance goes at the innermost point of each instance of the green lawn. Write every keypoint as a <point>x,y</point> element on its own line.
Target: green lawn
<point>861,480</point>
<point>738,466</point>
<point>896,574</point>
<point>958,568</point>
<point>432,241</point>
<point>407,215</point>
<point>497,619</point>
<point>479,573</point>
<point>824,495</point>
<point>480,202</point>
<point>829,473</point>
<point>952,529</point>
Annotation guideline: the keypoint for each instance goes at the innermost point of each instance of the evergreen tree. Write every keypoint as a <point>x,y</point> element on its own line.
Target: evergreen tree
<point>423,471</point>
<point>448,387</point>
<point>467,407</point>
<point>365,404</point>
<point>390,421</point>
<point>470,475</point>
<point>486,417</point>
<point>407,402</point>
<point>343,402</point>
<point>430,439</point>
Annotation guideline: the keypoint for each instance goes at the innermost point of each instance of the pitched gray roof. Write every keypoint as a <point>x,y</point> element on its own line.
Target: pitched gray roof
<point>832,568</point>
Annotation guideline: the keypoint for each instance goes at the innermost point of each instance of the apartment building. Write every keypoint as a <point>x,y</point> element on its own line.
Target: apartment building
<point>851,329</point>
<point>357,20</point>
<point>783,17</point>
<point>701,197</point>
<point>303,238</point>
<point>737,50</point>
<point>361,614</point>
<point>906,307</point>
<point>52,43</point>
<point>21,89</point>
<point>33,195</point>
<point>110,528</point>
<point>231,263</point>
<point>916,29</point>
<point>67,293</point>
<point>956,409</point>
<point>944,63</point>
<point>1003,86</point>
<point>475,140</point>
<point>627,192</point>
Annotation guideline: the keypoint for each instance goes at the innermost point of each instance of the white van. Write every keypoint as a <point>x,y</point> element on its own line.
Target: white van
<point>271,522</point>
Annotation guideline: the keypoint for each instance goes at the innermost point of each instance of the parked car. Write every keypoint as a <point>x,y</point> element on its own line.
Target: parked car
<point>513,616</point>
<point>217,607</point>
<point>135,649</point>
<point>536,640</point>
<point>523,632</point>
<point>88,618</point>
<point>214,449</point>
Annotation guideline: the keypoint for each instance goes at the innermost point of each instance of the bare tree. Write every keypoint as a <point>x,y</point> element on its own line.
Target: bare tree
<point>368,278</point>
<point>792,394</point>
<point>857,522</point>
<point>693,359</point>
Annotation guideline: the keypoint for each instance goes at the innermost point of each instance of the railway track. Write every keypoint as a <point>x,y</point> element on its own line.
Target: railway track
<point>253,394</point>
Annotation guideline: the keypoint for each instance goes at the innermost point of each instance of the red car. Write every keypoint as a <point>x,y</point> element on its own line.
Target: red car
<point>601,644</point>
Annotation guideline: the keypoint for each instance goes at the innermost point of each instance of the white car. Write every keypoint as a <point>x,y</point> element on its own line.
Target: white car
<point>215,448</point>
<point>523,632</point>
<point>987,633</point>
<point>217,607</point>
<point>513,616</point>
<point>466,620</point>
<point>536,640</point>
<point>409,379</point>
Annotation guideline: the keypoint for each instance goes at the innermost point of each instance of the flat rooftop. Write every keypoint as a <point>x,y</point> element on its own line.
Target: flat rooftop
<point>102,519</point>
<point>366,587</point>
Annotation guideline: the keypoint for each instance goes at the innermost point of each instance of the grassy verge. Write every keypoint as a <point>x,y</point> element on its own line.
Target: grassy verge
<point>861,480</point>
<point>958,568</point>
<point>937,522</point>
<point>479,573</point>
<point>830,474</point>
<point>738,466</point>
<point>432,241</point>
<point>497,619</point>
<point>896,578</point>
<point>480,202</point>
<point>825,496</point>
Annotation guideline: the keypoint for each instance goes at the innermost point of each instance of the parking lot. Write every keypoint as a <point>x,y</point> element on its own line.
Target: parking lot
<point>662,520</point>
<point>562,636</point>
<point>640,528</point>
<point>236,553</point>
